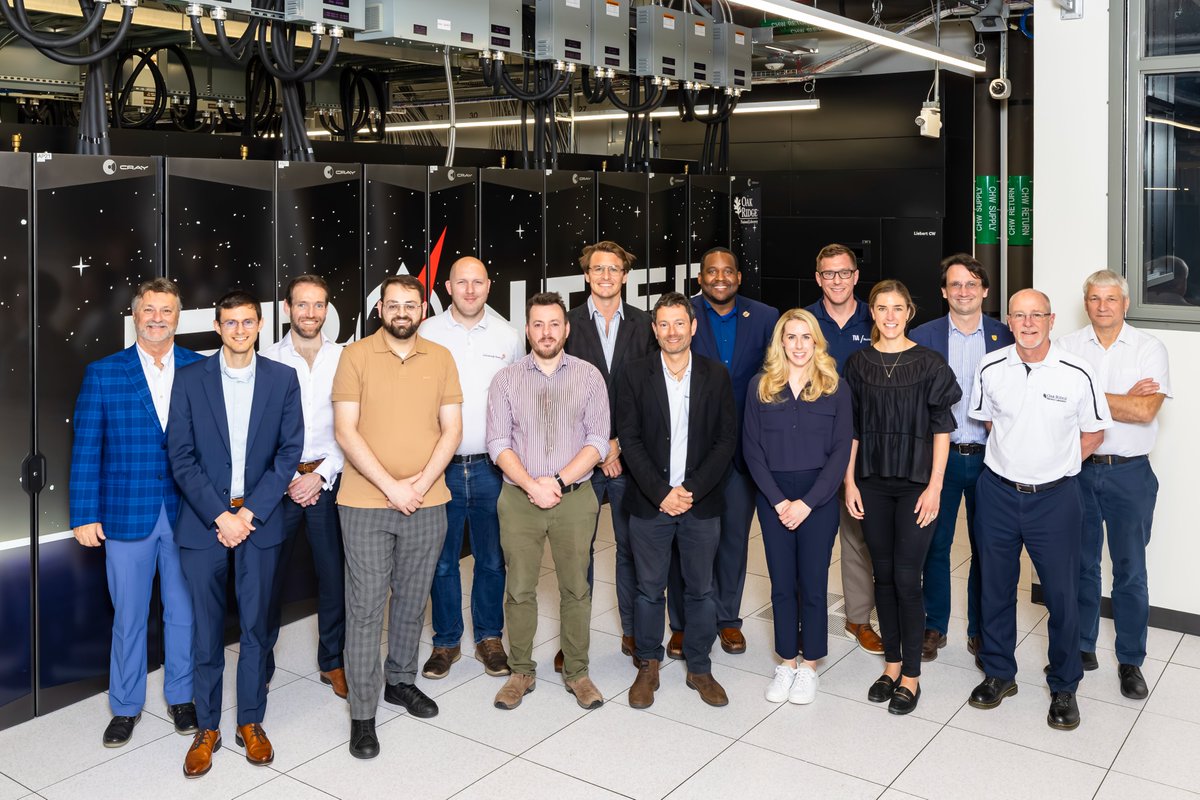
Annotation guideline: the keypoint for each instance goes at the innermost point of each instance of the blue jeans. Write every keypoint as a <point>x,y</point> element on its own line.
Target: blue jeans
<point>962,473</point>
<point>1119,498</point>
<point>474,489</point>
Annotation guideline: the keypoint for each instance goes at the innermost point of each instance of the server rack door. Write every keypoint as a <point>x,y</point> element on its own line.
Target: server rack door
<point>670,270</point>
<point>709,206</point>
<point>16,401</point>
<point>319,209</point>
<point>746,235</point>
<point>570,226</point>
<point>453,226</point>
<point>220,235</point>
<point>511,237</point>
<point>622,216</point>
<point>97,237</point>
<point>396,230</point>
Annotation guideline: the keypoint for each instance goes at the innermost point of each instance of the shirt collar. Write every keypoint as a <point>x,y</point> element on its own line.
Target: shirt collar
<point>452,321</point>
<point>861,311</point>
<point>241,375</point>
<point>593,311</point>
<point>687,373</point>
<point>1127,334</point>
<point>531,365</point>
<point>1053,357</point>
<point>954,328</point>
<point>289,344</point>
<point>380,345</point>
<point>718,314</point>
<point>146,358</point>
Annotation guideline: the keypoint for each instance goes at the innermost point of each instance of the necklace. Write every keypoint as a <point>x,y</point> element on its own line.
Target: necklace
<point>889,370</point>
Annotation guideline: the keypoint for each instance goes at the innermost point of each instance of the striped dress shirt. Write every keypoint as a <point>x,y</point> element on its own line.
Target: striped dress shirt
<point>964,352</point>
<point>547,419</point>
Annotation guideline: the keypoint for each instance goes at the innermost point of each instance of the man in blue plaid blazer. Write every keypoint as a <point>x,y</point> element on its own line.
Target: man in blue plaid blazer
<point>124,497</point>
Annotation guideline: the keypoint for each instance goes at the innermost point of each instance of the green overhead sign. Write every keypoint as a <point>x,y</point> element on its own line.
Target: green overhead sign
<point>788,27</point>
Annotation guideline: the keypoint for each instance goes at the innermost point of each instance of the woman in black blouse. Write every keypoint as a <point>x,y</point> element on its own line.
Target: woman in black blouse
<point>796,439</point>
<point>902,394</point>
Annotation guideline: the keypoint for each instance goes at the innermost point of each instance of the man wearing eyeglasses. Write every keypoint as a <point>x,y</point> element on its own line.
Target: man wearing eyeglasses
<point>397,414</point>
<point>846,324</point>
<point>1045,413</point>
<point>234,437</point>
<point>607,333</point>
<point>962,337</point>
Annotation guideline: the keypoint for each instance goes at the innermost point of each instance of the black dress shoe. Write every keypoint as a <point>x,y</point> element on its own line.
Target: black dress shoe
<point>1089,661</point>
<point>363,741</point>
<point>1064,711</point>
<point>904,701</point>
<point>119,730</point>
<point>1133,685</point>
<point>413,699</point>
<point>989,693</point>
<point>882,689</point>
<point>184,716</point>
<point>974,645</point>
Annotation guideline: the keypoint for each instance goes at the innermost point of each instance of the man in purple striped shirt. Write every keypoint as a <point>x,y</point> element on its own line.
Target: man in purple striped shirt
<point>547,428</point>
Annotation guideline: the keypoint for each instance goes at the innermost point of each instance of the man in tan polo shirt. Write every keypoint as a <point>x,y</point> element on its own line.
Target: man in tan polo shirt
<point>397,408</point>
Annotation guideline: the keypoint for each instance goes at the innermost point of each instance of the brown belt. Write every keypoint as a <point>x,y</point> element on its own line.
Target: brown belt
<point>308,466</point>
<point>237,502</point>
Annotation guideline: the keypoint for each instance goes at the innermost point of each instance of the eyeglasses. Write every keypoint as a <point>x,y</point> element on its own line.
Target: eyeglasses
<point>830,274</point>
<point>1033,316</point>
<point>606,269</point>
<point>408,308</point>
<point>958,286</point>
<point>232,325</point>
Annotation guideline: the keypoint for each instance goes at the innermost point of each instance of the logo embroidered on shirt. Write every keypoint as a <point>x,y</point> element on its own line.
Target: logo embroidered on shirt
<point>1058,398</point>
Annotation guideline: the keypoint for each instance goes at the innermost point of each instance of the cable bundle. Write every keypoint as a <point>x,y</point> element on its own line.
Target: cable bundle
<point>714,156</point>
<point>548,81</point>
<point>182,115</point>
<point>356,105</point>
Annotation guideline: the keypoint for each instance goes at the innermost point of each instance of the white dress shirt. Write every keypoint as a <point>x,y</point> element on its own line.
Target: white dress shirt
<point>679,395</point>
<point>1133,356</point>
<point>479,353</point>
<point>160,381</point>
<point>237,385</point>
<point>316,385</point>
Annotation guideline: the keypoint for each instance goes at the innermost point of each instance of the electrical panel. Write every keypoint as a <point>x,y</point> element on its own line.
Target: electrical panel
<point>610,34</point>
<point>697,48</point>
<point>660,43</point>
<point>505,26</point>
<point>446,23</point>
<point>563,31</point>
<point>343,13</point>
<point>244,6</point>
<point>733,47</point>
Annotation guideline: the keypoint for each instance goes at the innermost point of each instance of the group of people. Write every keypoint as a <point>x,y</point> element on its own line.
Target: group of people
<point>686,419</point>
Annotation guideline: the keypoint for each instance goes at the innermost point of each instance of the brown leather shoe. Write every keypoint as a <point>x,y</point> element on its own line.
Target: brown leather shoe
<point>558,662</point>
<point>732,641</point>
<point>629,648</point>
<point>974,645</point>
<point>199,756</point>
<point>490,653</point>
<point>258,747</point>
<point>710,691</point>
<point>641,694</point>
<point>514,690</point>
<point>933,641</point>
<point>337,679</point>
<point>867,638</point>
<point>438,665</point>
<point>586,693</point>
<point>675,646</point>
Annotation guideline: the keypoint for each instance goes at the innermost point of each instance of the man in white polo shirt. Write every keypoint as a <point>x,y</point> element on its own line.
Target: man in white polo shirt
<point>482,344</point>
<point>1045,414</point>
<point>1119,487</point>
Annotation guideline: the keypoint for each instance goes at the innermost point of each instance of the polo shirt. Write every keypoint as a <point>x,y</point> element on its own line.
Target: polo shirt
<point>724,329</point>
<point>399,400</point>
<point>1133,356</point>
<point>1037,412</point>
<point>844,341</point>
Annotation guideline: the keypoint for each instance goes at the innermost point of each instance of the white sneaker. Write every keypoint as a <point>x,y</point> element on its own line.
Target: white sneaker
<point>781,684</point>
<point>804,688</point>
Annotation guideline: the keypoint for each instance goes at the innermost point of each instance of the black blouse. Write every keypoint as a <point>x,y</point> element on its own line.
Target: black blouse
<point>900,402</point>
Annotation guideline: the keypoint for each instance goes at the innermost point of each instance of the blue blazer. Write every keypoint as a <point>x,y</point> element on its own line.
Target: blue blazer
<point>935,335</point>
<point>120,475</point>
<point>198,445</point>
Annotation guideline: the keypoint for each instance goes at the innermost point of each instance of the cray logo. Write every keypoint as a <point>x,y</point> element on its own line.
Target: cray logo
<point>672,180</point>
<point>575,178</point>
<point>110,167</point>
<point>744,210</point>
<point>329,172</point>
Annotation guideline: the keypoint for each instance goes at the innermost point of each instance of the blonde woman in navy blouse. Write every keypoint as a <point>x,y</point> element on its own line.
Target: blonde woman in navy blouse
<point>798,429</point>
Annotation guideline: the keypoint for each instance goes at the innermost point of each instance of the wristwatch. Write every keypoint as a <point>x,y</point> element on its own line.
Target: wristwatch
<point>561,485</point>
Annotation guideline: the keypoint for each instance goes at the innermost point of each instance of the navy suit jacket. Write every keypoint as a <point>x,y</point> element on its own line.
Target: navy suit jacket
<point>120,476</point>
<point>635,338</point>
<point>755,323</point>
<point>198,443</point>
<point>935,335</point>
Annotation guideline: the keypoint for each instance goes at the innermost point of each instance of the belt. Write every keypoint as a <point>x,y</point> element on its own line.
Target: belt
<point>237,502</point>
<point>1032,488</point>
<point>570,487</point>
<point>967,449</point>
<point>309,466</point>
<point>467,459</point>
<point>1110,460</point>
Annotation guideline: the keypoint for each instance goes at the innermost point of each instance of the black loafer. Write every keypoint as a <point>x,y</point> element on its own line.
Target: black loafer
<point>991,692</point>
<point>184,717</point>
<point>119,730</point>
<point>1064,712</point>
<point>413,699</point>
<point>881,690</point>
<point>363,741</point>
<point>1089,661</point>
<point>1133,685</point>
<point>904,701</point>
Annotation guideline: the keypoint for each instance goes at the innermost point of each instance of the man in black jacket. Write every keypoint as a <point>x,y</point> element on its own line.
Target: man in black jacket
<point>677,423</point>
<point>609,333</point>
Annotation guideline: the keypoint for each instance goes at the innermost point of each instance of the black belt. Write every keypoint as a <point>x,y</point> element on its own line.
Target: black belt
<point>1031,488</point>
<point>1110,460</point>
<point>570,487</point>
<point>967,449</point>
<point>468,458</point>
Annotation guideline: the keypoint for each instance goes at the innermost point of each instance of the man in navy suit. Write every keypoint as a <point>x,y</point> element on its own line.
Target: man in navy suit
<point>235,439</point>
<point>734,330</point>
<point>122,496</point>
<point>963,337</point>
